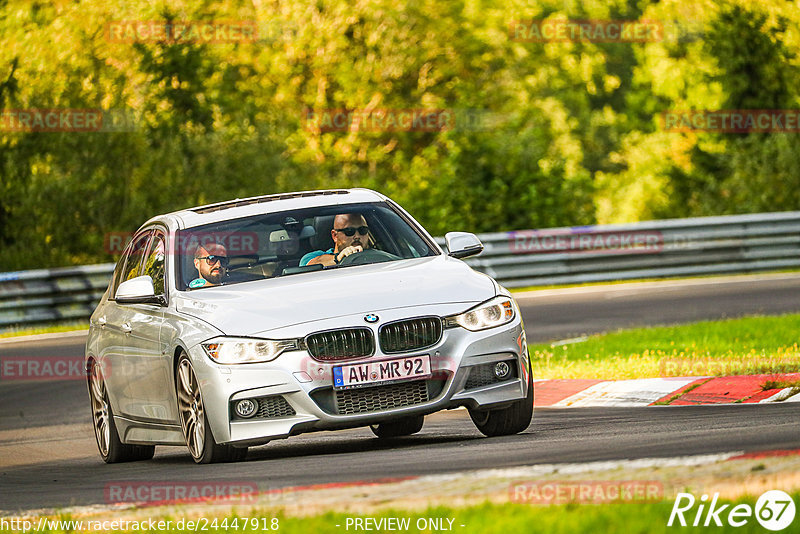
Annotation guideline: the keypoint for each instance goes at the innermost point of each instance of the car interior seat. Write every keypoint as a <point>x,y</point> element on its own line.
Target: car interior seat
<point>321,240</point>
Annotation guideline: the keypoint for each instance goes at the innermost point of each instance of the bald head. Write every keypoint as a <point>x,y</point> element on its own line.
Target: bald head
<point>352,221</point>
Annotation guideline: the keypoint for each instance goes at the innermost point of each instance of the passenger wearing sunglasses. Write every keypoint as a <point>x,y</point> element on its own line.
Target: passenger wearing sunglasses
<point>211,262</point>
<point>350,236</point>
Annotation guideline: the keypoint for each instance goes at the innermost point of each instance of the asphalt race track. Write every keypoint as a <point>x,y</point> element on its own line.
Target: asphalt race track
<point>48,457</point>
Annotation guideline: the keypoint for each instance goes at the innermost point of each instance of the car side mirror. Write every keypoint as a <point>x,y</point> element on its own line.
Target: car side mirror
<point>138,290</point>
<point>462,244</point>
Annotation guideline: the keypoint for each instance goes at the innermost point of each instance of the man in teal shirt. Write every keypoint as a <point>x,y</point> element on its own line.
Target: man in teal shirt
<point>211,262</point>
<point>350,235</point>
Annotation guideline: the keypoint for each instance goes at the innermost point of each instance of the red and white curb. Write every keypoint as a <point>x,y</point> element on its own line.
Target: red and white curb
<point>678,391</point>
<point>784,395</point>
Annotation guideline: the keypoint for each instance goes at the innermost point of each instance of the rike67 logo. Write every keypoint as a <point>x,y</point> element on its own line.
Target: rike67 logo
<point>774,510</point>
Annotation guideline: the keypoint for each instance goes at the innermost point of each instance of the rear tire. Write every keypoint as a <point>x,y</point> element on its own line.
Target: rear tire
<point>506,421</point>
<point>194,423</point>
<point>111,448</point>
<point>399,427</point>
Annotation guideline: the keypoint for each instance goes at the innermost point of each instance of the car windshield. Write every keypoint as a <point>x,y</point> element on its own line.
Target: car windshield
<point>273,245</point>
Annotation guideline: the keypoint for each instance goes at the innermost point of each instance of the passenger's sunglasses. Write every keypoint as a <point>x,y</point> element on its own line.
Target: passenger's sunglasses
<point>211,260</point>
<point>350,231</point>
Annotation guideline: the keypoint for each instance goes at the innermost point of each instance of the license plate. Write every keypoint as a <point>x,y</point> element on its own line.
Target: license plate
<point>371,373</point>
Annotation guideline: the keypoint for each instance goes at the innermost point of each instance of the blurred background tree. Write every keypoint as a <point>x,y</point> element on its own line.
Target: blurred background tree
<point>547,134</point>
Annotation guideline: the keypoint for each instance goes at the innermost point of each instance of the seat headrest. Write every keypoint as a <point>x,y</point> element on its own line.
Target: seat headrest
<point>321,240</point>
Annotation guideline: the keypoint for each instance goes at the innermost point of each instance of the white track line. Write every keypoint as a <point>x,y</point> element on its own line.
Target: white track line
<point>44,337</point>
<point>781,396</point>
<point>670,283</point>
<point>642,392</point>
<point>586,467</point>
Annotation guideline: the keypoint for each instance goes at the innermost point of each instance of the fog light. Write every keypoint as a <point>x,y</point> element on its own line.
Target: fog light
<point>245,408</point>
<point>501,370</point>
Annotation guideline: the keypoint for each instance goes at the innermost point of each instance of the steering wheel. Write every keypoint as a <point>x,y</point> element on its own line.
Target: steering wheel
<point>370,255</point>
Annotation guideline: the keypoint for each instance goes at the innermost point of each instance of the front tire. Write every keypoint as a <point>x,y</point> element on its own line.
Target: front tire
<point>400,427</point>
<point>506,421</point>
<point>196,430</point>
<point>111,448</point>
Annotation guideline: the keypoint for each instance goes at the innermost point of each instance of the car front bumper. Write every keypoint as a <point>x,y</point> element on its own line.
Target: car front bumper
<point>298,394</point>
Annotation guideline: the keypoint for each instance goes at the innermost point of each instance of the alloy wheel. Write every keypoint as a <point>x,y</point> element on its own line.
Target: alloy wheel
<point>190,405</point>
<point>100,411</point>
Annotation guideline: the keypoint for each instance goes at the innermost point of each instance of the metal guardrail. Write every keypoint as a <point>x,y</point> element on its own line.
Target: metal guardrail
<point>653,249</point>
<point>52,295</point>
<point>667,248</point>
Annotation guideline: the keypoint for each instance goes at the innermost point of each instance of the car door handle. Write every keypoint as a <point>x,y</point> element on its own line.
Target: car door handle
<point>126,327</point>
<point>101,322</point>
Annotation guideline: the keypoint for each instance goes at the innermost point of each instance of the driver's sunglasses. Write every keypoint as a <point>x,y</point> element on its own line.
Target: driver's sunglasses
<point>211,260</point>
<point>350,231</point>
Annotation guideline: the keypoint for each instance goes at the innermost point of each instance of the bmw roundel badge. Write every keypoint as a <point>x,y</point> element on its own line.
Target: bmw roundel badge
<point>371,318</point>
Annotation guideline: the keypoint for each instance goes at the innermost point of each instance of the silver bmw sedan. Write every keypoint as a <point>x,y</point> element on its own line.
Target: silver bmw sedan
<point>229,325</point>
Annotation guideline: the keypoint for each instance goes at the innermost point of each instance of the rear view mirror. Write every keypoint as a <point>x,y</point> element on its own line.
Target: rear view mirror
<point>463,244</point>
<point>282,235</point>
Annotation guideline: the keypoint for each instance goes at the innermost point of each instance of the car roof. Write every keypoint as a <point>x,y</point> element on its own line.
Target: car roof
<point>244,207</point>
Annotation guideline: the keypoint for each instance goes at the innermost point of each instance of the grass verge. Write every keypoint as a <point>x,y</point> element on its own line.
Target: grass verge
<point>781,384</point>
<point>751,345</point>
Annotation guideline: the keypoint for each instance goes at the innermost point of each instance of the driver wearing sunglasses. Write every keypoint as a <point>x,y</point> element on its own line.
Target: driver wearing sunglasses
<point>350,235</point>
<point>211,262</point>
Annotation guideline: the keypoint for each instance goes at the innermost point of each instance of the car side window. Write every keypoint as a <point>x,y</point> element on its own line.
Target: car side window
<point>154,263</point>
<point>132,259</point>
<point>117,275</point>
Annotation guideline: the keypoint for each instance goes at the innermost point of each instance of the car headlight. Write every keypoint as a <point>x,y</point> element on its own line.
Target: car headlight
<point>233,351</point>
<point>496,312</point>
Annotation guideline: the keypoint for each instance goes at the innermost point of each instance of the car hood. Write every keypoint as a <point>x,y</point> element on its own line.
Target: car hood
<point>251,308</point>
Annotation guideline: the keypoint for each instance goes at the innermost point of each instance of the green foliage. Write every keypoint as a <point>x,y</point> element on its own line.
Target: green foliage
<point>561,133</point>
<point>734,55</point>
